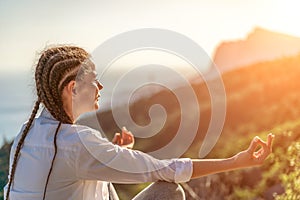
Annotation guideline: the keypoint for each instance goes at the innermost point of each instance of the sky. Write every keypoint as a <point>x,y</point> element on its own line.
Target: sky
<point>28,26</point>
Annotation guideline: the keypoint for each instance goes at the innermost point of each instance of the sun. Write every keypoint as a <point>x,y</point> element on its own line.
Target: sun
<point>282,16</point>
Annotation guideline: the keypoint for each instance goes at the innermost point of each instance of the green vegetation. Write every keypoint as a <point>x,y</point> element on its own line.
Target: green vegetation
<point>291,179</point>
<point>276,174</point>
<point>4,157</point>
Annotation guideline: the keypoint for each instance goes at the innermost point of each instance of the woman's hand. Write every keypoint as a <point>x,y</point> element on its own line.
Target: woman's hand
<point>248,158</point>
<point>256,154</point>
<point>125,139</point>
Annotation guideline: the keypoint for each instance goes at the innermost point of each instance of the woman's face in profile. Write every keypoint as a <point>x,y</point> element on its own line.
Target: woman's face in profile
<point>86,95</point>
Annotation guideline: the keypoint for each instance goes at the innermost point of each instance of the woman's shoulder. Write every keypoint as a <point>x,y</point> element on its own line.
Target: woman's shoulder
<point>82,129</point>
<point>83,133</point>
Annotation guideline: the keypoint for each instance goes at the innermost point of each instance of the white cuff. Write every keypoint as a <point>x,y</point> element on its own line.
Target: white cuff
<point>184,170</point>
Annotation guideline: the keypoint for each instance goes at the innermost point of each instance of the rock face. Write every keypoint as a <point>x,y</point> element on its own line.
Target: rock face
<point>260,45</point>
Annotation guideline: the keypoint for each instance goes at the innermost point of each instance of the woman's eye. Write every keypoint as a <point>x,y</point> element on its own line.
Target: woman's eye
<point>95,82</point>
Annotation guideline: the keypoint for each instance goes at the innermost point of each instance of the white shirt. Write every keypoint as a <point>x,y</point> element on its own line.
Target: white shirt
<point>84,164</point>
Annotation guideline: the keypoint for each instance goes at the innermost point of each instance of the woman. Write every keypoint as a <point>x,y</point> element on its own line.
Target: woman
<point>55,158</point>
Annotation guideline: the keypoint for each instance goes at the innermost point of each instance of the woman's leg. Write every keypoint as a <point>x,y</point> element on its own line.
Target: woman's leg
<point>161,190</point>
<point>112,192</point>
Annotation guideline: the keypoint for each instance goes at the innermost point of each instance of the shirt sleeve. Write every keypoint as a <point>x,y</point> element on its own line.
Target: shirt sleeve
<point>99,159</point>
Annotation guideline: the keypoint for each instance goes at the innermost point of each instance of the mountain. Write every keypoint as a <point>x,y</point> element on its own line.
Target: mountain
<point>259,45</point>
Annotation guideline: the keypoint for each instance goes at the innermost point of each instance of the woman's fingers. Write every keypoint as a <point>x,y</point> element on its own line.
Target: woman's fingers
<point>127,135</point>
<point>265,147</point>
<point>257,142</point>
<point>254,144</point>
<point>126,132</point>
<point>128,138</point>
<point>117,139</point>
<point>259,153</point>
<point>124,139</point>
<point>269,141</point>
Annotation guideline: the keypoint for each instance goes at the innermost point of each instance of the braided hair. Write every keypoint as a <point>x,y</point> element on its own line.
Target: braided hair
<point>56,67</point>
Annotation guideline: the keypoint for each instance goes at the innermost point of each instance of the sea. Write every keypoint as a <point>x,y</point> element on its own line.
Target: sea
<point>17,90</point>
<point>17,95</point>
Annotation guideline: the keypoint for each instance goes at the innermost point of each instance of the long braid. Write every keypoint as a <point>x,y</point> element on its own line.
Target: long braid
<point>55,152</point>
<point>56,67</point>
<point>19,146</point>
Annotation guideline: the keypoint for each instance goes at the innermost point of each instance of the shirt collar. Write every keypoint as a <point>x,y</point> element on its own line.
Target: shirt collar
<point>46,114</point>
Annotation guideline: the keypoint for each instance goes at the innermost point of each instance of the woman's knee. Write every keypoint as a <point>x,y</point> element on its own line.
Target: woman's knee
<point>162,190</point>
<point>174,190</point>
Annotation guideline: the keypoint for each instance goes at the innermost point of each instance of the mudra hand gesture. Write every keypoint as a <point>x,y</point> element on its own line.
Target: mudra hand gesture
<point>124,139</point>
<point>254,156</point>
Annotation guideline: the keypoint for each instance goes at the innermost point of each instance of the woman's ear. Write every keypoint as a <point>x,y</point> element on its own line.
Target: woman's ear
<point>71,88</point>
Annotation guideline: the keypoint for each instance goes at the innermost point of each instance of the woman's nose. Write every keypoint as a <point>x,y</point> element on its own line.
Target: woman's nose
<point>99,85</point>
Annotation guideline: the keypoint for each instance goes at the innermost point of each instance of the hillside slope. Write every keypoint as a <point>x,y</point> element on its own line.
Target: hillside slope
<point>259,97</point>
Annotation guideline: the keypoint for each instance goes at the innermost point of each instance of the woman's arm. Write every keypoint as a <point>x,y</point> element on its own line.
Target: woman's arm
<point>202,167</point>
<point>99,159</point>
<point>244,159</point>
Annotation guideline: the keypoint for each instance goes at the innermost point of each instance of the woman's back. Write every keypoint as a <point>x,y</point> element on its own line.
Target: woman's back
<point>35,162</point>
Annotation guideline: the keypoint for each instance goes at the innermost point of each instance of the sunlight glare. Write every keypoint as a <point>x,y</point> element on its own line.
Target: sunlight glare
<point>283,17</point>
